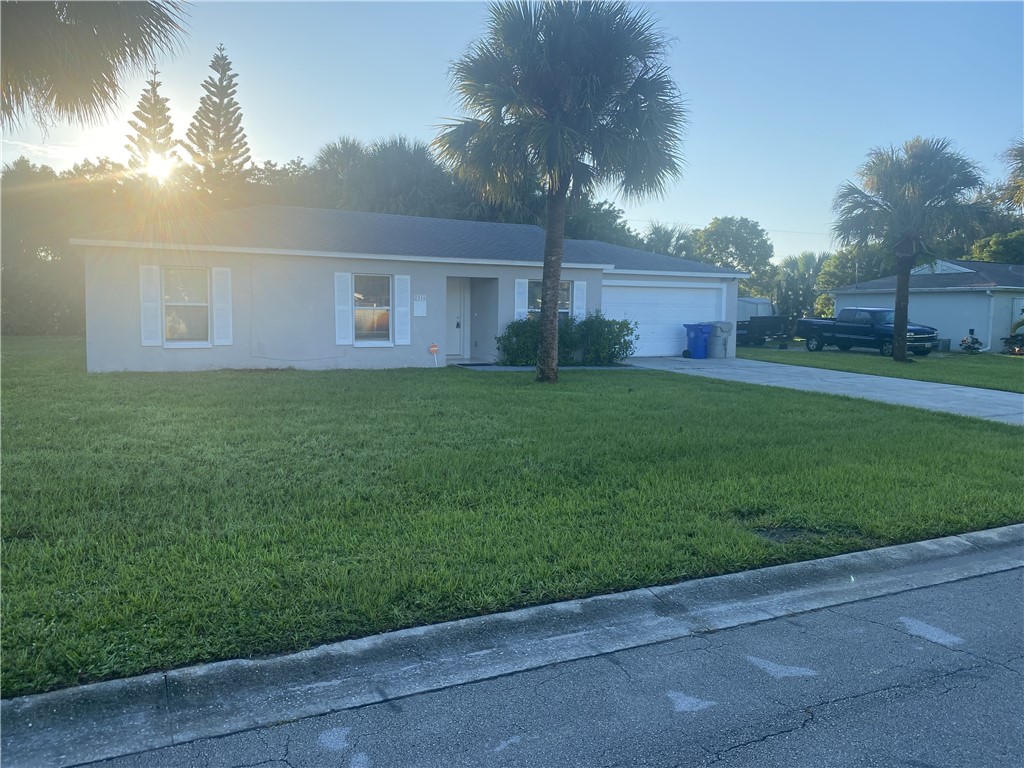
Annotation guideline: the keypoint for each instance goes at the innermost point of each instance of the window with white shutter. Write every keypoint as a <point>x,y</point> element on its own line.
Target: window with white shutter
<point>185,307</point>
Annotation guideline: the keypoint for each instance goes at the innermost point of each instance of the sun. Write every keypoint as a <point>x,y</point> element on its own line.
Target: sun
<point>160,167</point>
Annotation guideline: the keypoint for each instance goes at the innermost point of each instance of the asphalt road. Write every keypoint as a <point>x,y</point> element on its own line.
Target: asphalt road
<point>925,678</point>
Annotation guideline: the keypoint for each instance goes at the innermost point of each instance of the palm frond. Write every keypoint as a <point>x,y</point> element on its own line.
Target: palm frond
<point>63,61</point>
<point>578,92</point>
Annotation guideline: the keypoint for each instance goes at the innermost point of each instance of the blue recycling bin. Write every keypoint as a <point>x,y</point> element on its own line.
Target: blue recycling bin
<point>697,336</point>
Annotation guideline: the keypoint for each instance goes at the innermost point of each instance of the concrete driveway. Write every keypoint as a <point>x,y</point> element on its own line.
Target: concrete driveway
<point>1004,407</point>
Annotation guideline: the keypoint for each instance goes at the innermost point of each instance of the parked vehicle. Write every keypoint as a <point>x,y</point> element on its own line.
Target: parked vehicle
<point>756,330</point>
<point>864,327</point>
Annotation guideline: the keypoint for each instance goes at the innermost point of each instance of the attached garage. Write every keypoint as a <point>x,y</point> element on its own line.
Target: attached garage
<point>661,311</point>
<point>660,293</point>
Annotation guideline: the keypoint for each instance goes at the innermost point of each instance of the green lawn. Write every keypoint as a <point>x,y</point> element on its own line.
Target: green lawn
<point>156,520</point>
<point>986,371</point>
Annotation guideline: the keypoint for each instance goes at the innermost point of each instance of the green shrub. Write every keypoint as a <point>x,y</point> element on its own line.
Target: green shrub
<point>596,340</point>
<point>605,342</point>
<point>518,344</point>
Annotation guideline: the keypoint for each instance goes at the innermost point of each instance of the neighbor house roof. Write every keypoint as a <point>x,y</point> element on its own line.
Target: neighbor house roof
<point>979,276</point>
<point>315,231</point>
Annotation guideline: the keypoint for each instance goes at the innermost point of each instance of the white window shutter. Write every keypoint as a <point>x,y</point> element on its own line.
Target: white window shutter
<point>522,298</point>
<point>342,308</point>
<point>403,313</point>
<point>149,292</point>
<point>222,332</point>
<point>579,299</point>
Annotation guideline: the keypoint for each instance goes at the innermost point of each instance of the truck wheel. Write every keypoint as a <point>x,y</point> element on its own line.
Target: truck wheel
<point>814,343</point>
<point>758,342</point>
<point>886,348</point>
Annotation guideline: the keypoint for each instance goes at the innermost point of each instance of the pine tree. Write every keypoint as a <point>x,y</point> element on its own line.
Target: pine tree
<point>153,138</point>
<point>215,139</point>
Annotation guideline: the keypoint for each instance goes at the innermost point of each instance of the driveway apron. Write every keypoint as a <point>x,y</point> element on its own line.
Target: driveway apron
<point>1003,407</point>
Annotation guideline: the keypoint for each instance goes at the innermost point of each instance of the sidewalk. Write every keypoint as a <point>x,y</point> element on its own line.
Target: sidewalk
<point>989,404</point>
<point>124,717</point>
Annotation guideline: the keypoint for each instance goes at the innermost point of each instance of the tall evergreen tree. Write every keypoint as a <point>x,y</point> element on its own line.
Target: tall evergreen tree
<point>152,144</point>
<point>215,139</point>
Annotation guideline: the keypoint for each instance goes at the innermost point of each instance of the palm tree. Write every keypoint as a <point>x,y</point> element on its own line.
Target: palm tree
<point>567,95</point>
<point>403,177</point>
<point>795,282</point>
<point>339,171</point>
<point>1013,191</point>
<point>913,196</point>
<point>63,60</point>
<point>673,239</point>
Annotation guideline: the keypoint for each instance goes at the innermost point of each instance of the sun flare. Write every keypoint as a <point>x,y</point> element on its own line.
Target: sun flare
<point>160,167</point>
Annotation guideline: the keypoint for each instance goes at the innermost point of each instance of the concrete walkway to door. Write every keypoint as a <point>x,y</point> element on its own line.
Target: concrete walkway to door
<point>1004,407</point>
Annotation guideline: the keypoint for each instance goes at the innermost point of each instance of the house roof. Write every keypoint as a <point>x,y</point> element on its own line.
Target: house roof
<point>318,231</point>
<point>980,276</point>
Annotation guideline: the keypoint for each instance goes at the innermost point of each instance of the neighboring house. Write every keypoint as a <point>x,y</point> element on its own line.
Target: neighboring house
<point>749,306</point>
<point>273,287</point>
<point>953,296</point>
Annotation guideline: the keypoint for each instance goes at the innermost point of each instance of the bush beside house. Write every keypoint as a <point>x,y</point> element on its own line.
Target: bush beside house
<point>595,340</point>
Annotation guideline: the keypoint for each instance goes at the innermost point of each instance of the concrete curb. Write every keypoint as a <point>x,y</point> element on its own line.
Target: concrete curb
<point>94,722</point>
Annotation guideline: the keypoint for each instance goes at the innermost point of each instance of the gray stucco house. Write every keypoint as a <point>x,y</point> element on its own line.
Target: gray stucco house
<point>272,287</point>
<point>953,296</point>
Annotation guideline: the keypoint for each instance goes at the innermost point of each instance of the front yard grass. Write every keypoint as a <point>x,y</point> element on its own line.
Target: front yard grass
<point>986,371</point>
<point>156,520</point>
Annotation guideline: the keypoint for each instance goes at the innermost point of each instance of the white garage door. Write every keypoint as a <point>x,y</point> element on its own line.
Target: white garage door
<point>661,313</point>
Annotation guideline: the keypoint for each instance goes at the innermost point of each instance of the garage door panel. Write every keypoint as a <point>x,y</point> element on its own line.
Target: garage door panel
<point>661,314</point>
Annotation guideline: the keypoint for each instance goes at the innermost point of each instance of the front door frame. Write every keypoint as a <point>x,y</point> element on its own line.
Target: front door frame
<point>458,311</point>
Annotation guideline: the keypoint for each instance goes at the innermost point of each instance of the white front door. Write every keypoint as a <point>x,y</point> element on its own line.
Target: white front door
<point>457,317</point>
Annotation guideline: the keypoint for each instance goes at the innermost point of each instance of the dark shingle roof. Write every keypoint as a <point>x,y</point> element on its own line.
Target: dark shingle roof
<point>983,275</point>
<point>315,230</point>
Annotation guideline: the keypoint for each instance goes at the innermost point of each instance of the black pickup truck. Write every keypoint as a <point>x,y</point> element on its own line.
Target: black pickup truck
<point>864,327</point>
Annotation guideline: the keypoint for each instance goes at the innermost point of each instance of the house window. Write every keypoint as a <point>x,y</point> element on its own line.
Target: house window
<point>371,301</point>
<point>564,296</point>
<point>186,306</point>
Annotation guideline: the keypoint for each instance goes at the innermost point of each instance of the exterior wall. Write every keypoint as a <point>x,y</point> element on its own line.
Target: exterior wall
<point>953,313</point>
<point>283,312</point>
<point>727,304</point>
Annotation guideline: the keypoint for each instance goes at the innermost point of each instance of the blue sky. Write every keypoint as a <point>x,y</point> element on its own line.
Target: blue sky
<point>785,99</point>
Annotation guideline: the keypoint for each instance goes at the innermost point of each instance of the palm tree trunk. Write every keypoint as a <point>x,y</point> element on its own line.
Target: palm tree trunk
<point>899,330</point>
<point>554,246</point>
